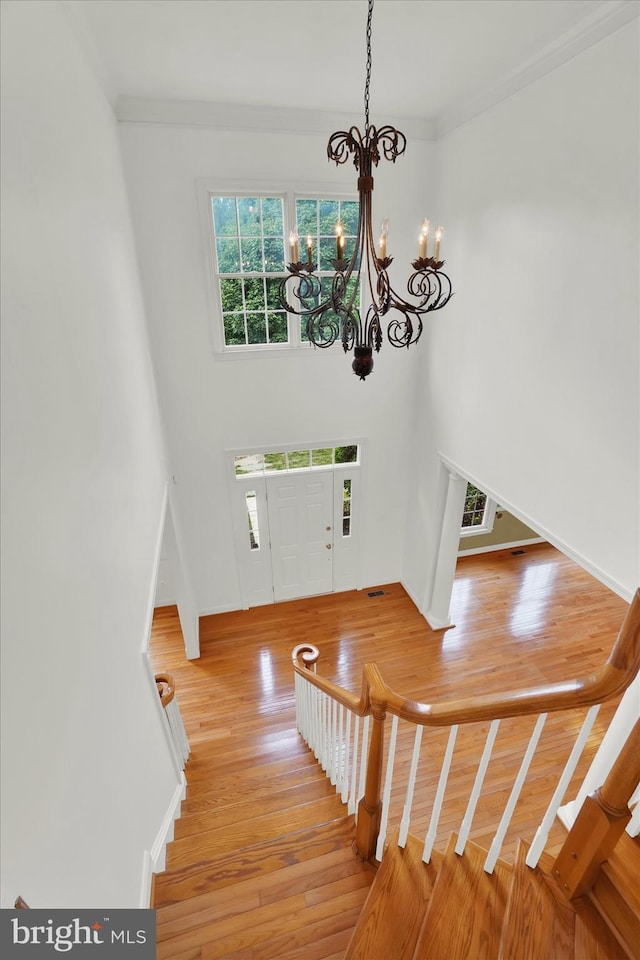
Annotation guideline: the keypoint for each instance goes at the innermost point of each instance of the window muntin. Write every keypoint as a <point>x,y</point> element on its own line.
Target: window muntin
<point>316,220</point>
<point>250,258</point>
<point>479,512</point>
<point>311,458</point>
<point>249,245</point>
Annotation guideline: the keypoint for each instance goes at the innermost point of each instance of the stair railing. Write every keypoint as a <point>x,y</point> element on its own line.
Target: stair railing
<point>166,688</point>
<point>346,734</point>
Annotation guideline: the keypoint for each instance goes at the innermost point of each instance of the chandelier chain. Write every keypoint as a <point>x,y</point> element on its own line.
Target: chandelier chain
<point>368,80</point>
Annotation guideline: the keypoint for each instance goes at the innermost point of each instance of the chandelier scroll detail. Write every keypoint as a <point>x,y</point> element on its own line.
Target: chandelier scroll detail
<point>336,315</point>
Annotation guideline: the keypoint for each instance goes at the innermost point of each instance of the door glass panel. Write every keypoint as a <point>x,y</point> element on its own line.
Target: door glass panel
<point>252,514</point>
<point>346,508</point>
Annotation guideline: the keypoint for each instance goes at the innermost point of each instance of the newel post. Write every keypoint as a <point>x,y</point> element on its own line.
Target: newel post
<point>370,806</point>
<point>600,823</point>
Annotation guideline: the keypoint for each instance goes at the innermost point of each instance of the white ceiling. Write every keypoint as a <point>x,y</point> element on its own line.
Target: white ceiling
<point>432,59</point>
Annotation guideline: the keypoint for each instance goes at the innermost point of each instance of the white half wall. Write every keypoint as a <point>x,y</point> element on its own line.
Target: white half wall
<point>531,384</point>
<point>87,775</point>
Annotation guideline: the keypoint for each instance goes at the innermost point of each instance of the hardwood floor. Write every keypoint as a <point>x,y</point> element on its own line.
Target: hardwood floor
<point>519,621</point>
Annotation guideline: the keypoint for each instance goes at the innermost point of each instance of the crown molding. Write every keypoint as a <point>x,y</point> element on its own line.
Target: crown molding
<point>227,116</point>
<point>606,19</point>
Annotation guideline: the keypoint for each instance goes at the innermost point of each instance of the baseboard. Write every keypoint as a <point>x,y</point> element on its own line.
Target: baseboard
<point>436,624</point>
<point>154,860</point>
<point>493,547</point>
<point>223,608</point>
<point>412,596</point>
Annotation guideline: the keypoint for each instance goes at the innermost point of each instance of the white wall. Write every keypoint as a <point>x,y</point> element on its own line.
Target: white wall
<point>209,404</point>
<point>87,773</point>
<point>533,377</point>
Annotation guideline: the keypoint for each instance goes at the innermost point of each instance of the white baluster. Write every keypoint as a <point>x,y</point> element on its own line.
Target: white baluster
<point>353,803</point>
<point>325,733</point>
<point>333,741</point>
<point>345,769</point>
<point>430,838</point>
<point>178,733</point>
<point>340,750</point>
<point>496,846</point>
<point>317,725</point>
<point>406,813</point>
<point>297,694</point>
<point>542,832</point>
<point>363,761</point>
<point>386,796</point>
<point>467,820</point>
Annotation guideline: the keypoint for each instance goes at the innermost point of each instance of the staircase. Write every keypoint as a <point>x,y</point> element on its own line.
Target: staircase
<point>231,890</point>
<point>272,872</point>
<point>450,909</point>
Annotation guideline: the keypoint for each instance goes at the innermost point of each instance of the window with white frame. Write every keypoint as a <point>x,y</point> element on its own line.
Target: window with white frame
<point>479,512</point>
<point>250,254</point>
<point>308,458</point>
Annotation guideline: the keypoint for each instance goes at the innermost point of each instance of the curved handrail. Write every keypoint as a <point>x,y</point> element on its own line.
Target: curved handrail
<point>166,688</point>
<point>378,698</point>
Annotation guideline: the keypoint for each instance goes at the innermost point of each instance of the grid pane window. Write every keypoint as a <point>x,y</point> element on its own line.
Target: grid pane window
<point>317,219</point>
<point>306,459</point>
<point>249,240</point>
<point>474,507</point>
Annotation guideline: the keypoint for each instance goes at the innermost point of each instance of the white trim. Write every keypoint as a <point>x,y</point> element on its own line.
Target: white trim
<point>563,547</point>
<point>157,553</point>
<point>488,520</point>
<point>252,119</point>
<point>222,608</point>
<point>500,546</point>
<point>154,860</point>
<point>608,17</point>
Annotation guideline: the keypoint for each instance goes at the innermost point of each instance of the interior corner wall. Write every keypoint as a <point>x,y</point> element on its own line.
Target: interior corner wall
<point>87,774</point>
<point>211,405</point>
<point>531,384</point>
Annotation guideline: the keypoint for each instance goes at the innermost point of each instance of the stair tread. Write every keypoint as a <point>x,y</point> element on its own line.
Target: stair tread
<point>242,781</point>
<point>476,900</point>
<point>616,892</point>
<point>241,810</point>
<point>539,922</point>
<point>318,879</point>
<point>392,916</point>
<point>226,869</point>
<point>209,843</point>
<point>593,938</point>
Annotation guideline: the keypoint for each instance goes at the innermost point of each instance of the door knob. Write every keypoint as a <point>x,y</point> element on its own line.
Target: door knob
<point>328,546</point>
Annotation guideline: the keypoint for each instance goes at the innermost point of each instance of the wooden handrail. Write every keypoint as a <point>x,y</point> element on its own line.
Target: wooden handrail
<point>606,683</point>
<point>166,688</point>
<point>377,698</point>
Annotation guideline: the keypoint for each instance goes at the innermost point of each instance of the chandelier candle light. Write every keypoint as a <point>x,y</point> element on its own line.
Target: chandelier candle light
<point>337,315</point>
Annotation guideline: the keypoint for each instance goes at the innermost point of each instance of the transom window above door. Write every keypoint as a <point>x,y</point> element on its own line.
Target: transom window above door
<point>250,249</point>
<point>306,458</point>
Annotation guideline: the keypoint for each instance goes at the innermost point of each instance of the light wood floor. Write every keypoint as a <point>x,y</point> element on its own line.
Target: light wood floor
<point>520,621</point>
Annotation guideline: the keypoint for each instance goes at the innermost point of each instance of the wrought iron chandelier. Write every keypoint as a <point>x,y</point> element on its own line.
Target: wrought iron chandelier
<point>338,315</point>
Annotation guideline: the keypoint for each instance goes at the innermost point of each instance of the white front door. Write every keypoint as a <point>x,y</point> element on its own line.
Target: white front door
<point>301,532</point>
